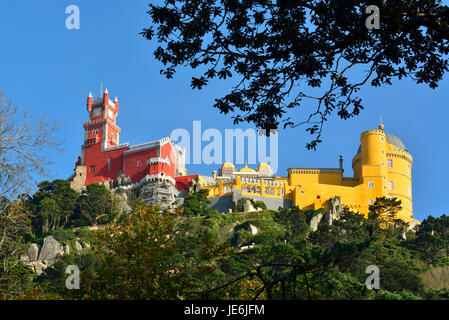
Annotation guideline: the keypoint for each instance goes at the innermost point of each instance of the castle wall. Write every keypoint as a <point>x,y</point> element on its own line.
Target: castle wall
<point>222,204</point>
<point>93,156</point>
<point>135,164</point>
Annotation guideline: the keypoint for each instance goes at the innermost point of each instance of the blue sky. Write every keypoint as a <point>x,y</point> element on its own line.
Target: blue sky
<point>47,69</point>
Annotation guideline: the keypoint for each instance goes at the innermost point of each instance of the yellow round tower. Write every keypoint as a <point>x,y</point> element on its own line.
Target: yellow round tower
<point>383,166</point>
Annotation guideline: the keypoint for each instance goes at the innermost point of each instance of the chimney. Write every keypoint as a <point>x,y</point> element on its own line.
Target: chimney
<point>341,163</point>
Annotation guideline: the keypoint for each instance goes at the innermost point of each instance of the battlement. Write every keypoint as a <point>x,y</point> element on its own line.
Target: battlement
<point>158,160</point>
<point>373,131</point>
<point>147,145</point>
<point>314,171</point>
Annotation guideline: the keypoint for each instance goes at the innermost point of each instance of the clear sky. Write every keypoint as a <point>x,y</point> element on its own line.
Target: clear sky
<point>48,69</point>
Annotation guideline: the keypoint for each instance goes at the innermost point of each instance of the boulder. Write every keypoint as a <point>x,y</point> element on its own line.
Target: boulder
<point>85,245</point>
<point>335,209</point>
<point>248,207</point>
<point>315,221</point>
<point>78,247</point>
<point>413,226</point>
<point>50,249</point>
<point>38,267</point>
<point>25,258</point>
<point>247,247</point>
<point>33,251</point>
<point>254,229</point>
<point>122,202</point>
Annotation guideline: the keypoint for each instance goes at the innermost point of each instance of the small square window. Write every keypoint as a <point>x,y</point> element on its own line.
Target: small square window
<point>92,169</point>
<point>370,201</point>
<point>390,185</point>
<point>389,163</point>
<point>370,184</point>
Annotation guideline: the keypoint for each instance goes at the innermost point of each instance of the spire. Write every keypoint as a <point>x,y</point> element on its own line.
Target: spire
<point>106,91</point>
<point>115,100</point>
<point>381,125</point>
<point>90,94</point>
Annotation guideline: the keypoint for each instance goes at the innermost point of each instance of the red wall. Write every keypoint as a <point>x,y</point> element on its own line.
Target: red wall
<point>183,182</point>
<point>93,156</point>
<point>136,173</point>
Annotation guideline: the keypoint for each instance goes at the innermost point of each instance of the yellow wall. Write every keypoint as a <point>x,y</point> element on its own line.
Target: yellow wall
<point>312,188</point>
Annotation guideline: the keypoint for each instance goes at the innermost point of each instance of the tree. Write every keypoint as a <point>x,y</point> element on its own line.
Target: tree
<point>197,204</point>
<point>294,222</point>
<point>385,210</point>
<point>96,205</point>
<point>24,148</point>
<point>53,204</point>
<point>145,256</point>
<point>282,51</point>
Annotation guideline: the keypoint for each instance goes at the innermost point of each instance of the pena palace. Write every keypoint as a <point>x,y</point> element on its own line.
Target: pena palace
<point>156,170</point>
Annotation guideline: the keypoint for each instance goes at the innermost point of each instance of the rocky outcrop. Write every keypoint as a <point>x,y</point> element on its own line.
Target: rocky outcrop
<point>50,249</point>
<point>78,247</point>
<point>315,221</point>
<point>248,206</point>
<point>413,226</point>
<point>122,201</point>
<point>40,258</point>
<point>335,209</point>
<point>33,251</point>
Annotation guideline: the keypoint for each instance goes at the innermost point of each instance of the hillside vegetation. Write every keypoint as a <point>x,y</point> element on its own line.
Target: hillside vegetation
<point>195,252</point>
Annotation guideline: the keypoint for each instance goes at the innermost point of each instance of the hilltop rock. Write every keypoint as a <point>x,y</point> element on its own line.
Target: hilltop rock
<point>335,209</point>
<point>50,249</point>
<point>38,266</point>
<point>122,202</point>
<point>315,221</point>
<point>33,251</point>
<point>413,226</point>
<point>78,247</point>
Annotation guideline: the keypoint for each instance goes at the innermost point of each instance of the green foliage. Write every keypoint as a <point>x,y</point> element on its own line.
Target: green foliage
<point>15,278</point>
<point>96,206</point>
<point>196,252</point>
<point>53,205</point>
<point>197,204</point>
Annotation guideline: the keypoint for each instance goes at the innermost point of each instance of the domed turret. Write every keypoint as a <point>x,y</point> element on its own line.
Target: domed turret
<point>264,170</point>
<point>226,169</point>
<point>246,169</point>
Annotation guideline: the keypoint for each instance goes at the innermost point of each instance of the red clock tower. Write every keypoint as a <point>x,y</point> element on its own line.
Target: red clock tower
<point>101,127</point>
